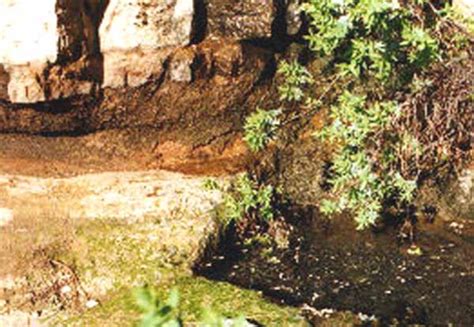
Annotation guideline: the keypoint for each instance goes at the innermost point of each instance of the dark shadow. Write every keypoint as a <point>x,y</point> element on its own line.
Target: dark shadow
<point>95,10</point>
<point>199,21</point>
<point>280,39</point>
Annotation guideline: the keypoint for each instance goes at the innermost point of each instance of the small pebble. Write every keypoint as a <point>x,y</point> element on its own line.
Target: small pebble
<point>6,215</point>
<point>66,289</point>
<point>91,304</point>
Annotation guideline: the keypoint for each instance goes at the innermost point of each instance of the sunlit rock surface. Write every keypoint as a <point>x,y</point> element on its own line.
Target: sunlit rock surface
<point>36,37</point>
<point>465,6</point>
<point>137,36</point>
<point>128,196</point>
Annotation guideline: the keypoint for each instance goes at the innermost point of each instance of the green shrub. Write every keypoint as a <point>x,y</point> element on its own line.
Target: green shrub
<point>248,199</point>
<point>377,50</point>
<point>155,312</point>
<point>260,128</point>
<point>158,313</point>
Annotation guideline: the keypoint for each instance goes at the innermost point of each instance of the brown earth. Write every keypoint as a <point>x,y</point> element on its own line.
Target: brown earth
<point>187,119</point>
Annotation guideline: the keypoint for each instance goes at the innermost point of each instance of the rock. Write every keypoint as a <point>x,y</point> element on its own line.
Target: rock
<point>459,195</point>
<point>26,84</point>
<point>181,65</point>
<point>134,67</point>
<point>126,196</point>
<point>137,36</point>
<point>465,6</point>
<point>134,126</point>
<point>28,31</point>
<point>6,215</point>
<point>240,19</point>
<point>293,17</point>
<point>301,169</point>
<point>229,59</point>
<point>4,80</point>
<point>36,38</point>
<point>252,19</point>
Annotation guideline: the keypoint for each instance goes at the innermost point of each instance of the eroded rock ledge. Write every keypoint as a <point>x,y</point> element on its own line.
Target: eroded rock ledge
<point>190,70</point>
<point>51,49</point>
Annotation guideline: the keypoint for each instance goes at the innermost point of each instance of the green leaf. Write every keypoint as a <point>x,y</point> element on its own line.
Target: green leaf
<point>173,298</point>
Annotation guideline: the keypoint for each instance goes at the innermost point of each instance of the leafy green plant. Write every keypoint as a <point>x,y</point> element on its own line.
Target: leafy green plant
<point>155,312</point>
<point>166,314</point>
<point>211,318</point>
<point>248,199</point>
<point>377,50</point>
<point>260,128</point>
<point>371,41</point>
<point>295,77</point>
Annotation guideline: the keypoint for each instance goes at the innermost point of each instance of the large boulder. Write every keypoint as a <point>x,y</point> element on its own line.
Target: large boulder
<point>137,36</point>
<point>38,37</point>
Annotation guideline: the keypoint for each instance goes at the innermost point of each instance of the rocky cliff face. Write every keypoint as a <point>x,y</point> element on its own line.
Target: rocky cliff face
<point>189,70</point>
<point>179,74</point>
<point>57,49</point>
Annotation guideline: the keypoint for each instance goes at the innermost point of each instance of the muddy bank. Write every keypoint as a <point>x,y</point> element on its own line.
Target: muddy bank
<point>121,150</point>
<point>330,265</point>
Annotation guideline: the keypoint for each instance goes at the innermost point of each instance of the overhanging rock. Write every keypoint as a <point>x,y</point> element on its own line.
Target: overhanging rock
<point>137,36</point>
<point>41,42</point>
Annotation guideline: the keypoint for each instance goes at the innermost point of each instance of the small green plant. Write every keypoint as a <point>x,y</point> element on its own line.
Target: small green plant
<point>260,128</point>
<point>211,318</point>
<point>248,199</point>
<point>166,314</point>
<point>155,312</point>
<point>295,77</point>
<point>210,184</point>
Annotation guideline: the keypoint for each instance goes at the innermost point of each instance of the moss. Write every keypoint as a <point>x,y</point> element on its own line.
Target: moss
<point>196,293</point>
<point>113,258</point>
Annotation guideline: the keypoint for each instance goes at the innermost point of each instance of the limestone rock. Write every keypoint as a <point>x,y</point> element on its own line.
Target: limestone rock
<point>25,83</point>
<point>37,36</point>
<point>134,67</point>
<point>137,36</point>
<point>181,65</point>
<point>293,17</point>
<point>460,194</point>
<point>465,6</point>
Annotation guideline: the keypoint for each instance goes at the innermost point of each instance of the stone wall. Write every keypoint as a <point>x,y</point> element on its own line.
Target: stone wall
<point>56,49</point>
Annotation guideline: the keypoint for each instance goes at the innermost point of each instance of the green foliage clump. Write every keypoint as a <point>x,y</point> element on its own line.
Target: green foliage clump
<point>371,38</point>
<point>166,314</point>
<point>377,51</point>
<point>155,312</point>
<point>260,128</point>
<point>295,77</point>
<point>249,199</point>
<point>382,45</point>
